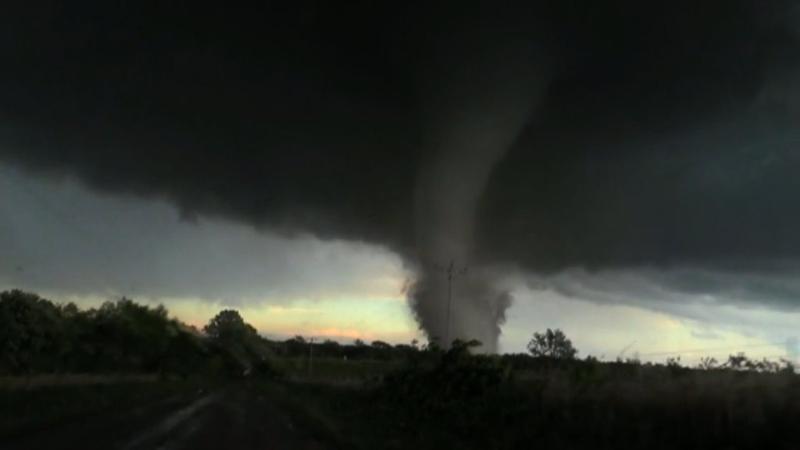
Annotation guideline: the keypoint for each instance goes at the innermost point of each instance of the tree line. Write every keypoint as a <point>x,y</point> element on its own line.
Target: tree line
<point>122,336</point>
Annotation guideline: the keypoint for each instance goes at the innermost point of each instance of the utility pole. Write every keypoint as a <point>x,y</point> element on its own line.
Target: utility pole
<point>451,272</point>
<point>310,357</point>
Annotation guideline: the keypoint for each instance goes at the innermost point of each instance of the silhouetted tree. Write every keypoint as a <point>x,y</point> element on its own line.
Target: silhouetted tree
<point>238,343</point>
<point>738,361</point>
<point>228,326</point>
<point>551,344</point>
<point>31,330</point>
<point>329,348</point>
<point>707,363</point>
<point>381,345</point>
<point>296,346</point>
<point>36,336</point>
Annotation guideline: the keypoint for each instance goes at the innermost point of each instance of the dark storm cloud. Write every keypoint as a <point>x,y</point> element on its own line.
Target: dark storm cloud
<point>667,134</point>
<point>286,117</point>
<point>685,291</point>
<point>675,141</point>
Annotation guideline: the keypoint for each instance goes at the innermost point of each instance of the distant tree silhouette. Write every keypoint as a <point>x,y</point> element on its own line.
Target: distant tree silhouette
<point>551,344</point>
<point>738,361</point>
<point>238,344</point>
<point>707,363</point>
<point>328,348</point>
<point>228,326</point>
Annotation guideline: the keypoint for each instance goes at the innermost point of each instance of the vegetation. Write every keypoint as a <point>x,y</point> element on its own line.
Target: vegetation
<point>379,395</point>
<point>551,344</point>
<point>458,400</point>
<point>38,336</point>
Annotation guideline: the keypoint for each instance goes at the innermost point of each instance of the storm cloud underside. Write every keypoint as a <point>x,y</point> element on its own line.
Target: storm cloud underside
<point>602,136</point>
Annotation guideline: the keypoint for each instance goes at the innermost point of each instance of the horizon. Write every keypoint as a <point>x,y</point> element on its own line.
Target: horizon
<point>595,169</point>
<point>688,357</point>
<point>381,312</point>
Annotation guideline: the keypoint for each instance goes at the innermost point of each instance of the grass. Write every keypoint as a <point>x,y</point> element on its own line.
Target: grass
<point>574,405</point>
<point>307,404</point>
<point>327,370</point>
<point>474,402</point>
<point>50,380</point>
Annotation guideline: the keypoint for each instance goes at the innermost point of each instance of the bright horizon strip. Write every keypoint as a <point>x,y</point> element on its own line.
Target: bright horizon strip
<point>368,319</point>
<point>609,331</point>
<point>651,336</point>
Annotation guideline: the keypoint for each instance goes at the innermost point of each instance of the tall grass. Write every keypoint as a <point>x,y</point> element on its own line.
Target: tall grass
<point>476,402</point>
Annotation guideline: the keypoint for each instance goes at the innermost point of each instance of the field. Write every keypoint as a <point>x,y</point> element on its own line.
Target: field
<point>446,400</point>
<point>327,370</point>
<point>479,404</point>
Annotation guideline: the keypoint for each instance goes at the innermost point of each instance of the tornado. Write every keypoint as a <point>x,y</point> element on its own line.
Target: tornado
<point>480,101</point>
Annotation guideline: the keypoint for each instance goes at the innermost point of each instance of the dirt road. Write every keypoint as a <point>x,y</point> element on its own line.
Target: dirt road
<point>236,417</point>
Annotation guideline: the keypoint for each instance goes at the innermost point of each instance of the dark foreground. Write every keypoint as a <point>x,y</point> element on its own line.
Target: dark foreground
<point>239,416</point>
<point>449,400</point>
<point>126,376</point>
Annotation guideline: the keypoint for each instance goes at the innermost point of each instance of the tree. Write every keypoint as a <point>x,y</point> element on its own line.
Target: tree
<point>738,361</point>
<point>551,344</point>
<point>707,363</point>
<point>238,344</point>
<point>228,326</point>
<point>31,330</point>
<point>128,336</point>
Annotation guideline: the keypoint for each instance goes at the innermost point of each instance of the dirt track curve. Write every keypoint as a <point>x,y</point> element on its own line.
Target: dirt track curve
<point>233,418</point>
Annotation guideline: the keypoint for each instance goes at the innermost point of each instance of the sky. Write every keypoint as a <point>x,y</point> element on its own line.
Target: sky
<point>70,243</point>
<point>623,171</point>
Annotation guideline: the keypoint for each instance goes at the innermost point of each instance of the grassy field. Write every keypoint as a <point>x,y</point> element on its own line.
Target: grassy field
<point>458,401</point>
<point>327,370</point>
<point>52,380</point>
<point>471,405</point>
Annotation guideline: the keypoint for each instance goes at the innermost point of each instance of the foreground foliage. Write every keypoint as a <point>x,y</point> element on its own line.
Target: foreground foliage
<point>456,400</point>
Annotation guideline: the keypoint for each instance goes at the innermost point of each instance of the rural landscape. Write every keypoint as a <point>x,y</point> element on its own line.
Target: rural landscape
<point>369,225</point>
<point>126,375</point>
